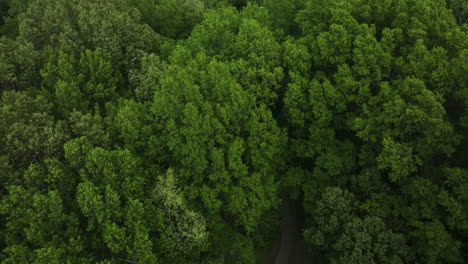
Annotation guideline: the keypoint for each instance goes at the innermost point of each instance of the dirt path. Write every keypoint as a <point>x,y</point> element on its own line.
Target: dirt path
<point>289,233</point>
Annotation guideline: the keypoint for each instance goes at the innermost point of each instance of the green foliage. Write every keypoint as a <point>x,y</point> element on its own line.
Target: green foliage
<point>18,65</point>
<point>10,9</point>
<point>211,126</point>
<point>283,14</point>
<point>186,233</point>
<point>90,126</point>
<point>29,132</point>
<point>3,12</point>
<point>171,18</point>
<point>166,131</point>
<point>459,9</point>
<point>250,48</point>
<point>372,88</point>
<point>108,25</point>
<point>145,79</point>
<point>369,241</point>
<point>81,84</point>
<point>345,237</point>
<point>111,197</point>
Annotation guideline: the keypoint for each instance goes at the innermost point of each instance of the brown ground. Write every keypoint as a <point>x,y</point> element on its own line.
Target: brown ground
<point>268,256</point>
<point>289,249</point>
<point>298,255</point>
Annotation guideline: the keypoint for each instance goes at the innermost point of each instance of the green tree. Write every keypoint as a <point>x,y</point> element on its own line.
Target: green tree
<point>459,9</point>
<point>90,126</point>
<point>204,128</point>
<point>39,226</point>
<point>80,84</point>
<point>28,132</point>
<point>146,131</point>
<point>110,26</point>
<point>3,12</point>
<point>283,14</point>
<point>10,11</point>
<point>216,130</point>
<point>170,18</point>
<point>345,237</point>
<point>371,99</point>
<point>18,65</point>
<point>185,235</point>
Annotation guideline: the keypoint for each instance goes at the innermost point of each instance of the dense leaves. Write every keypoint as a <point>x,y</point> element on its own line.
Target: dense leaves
<point>170,131</point>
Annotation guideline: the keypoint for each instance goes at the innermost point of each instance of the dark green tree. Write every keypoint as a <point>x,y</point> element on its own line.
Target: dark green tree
<point>345,237</point>
<point>217,131</point>
<point>80,84</point>
<point>172,19</point>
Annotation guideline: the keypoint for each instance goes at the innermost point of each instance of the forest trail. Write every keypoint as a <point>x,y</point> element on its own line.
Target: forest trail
<point>288,235</point>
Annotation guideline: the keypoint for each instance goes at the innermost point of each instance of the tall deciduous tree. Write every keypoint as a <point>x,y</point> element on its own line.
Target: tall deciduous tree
<point>80,84</point>
<point>212,111</point>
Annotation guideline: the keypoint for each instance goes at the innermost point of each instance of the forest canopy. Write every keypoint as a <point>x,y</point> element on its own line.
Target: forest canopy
<point>178,131</point>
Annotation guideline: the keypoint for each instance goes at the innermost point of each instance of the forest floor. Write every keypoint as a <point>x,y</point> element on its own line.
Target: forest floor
<point>288,235</point>
<point>289,248</point>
